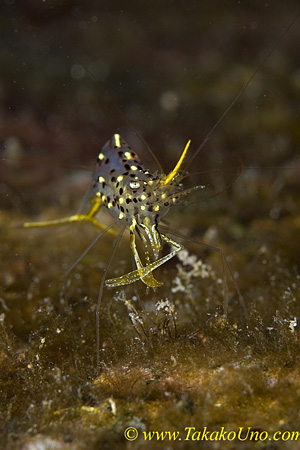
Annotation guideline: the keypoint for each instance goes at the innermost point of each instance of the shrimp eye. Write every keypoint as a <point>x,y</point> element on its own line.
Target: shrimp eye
<point>134,184</point>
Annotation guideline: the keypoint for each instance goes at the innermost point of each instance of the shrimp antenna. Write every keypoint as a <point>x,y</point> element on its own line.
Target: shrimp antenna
<point>242,90</point>
<point>116,244</point>
<point>225,265</point>
<point>89,248</point>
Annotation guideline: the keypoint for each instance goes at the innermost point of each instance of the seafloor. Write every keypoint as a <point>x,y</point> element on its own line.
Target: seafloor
<point>74,73</point>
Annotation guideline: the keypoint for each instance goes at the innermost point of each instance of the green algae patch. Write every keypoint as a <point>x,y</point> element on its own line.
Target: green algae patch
<point>168,362</point>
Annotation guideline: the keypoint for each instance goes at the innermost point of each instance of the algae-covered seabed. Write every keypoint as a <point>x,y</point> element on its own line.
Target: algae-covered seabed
<point>172,370</point>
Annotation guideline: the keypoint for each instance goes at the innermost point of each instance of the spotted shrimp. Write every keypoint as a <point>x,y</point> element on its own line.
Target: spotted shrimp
<point>138,200</point>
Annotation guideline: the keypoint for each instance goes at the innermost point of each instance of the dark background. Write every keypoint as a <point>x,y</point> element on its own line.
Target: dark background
<point>132,55</point>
